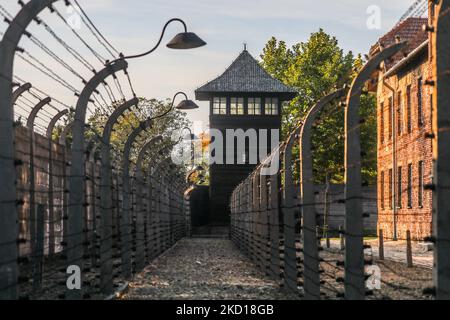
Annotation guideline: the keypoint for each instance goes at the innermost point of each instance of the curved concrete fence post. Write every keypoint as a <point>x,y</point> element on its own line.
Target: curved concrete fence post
<point>91,150</point>
<point>275,222</point>
<point>289,210</point>
<point>126,205</point>
<point>19,91</point>
<point>311,276</point>
<point>161,173</point>
<point>8,203</point>
<point>34,112</point>
<point>65,188</point>
<point>77,177</point>
<point>441,148</point>
<point>106,202</point>
<point>139,182</point>
<point>254,213</point>
<point>32,215</point>
<point>354,231</point>
<point>51,187</point>
<point>53,122</point>
<point>264,223</point>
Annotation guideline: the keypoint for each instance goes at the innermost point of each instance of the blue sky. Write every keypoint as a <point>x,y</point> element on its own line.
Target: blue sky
<point>135,25</point>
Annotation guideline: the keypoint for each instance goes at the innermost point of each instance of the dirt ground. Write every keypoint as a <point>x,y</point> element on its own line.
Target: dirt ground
<point>398,282</point>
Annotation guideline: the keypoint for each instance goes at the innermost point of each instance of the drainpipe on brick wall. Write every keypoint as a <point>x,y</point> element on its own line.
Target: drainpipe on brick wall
<point>394,159</point>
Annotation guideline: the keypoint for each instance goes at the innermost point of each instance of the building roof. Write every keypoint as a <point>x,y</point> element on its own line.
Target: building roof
<point>408,59</point>
<point>245,75</point>
<point>410,31</point>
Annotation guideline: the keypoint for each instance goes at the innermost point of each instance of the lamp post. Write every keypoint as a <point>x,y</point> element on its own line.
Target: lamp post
<point>184,40</point>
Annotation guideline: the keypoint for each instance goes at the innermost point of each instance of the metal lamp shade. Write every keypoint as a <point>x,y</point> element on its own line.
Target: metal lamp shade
<point>187,105</point>
<point>186,40</point>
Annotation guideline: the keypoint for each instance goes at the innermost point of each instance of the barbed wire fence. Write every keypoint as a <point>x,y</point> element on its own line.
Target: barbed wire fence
<point>55,212</point>
<point>275,221</point>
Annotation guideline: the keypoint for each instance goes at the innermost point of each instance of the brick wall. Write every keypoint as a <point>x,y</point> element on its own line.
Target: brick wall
<point>412,147</point>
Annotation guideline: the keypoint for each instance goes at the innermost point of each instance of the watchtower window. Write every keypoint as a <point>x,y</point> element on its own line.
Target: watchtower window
<point>237,106</point>
<point>254,106</point>
<point>220,106</point>
<point>272,106</point>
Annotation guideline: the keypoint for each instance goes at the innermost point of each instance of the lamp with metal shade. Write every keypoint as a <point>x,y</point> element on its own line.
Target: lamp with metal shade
<point>184,40</point>
<point>187,105</point>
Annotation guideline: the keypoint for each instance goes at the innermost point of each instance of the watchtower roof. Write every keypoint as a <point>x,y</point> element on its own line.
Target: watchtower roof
<point>245,75</point>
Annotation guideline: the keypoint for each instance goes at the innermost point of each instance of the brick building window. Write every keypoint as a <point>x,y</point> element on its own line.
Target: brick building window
<point>400,188</point>
<point>254,106</point>
<point>408,109</point>
<point>420,101</point>
<point>410,178</point>
<point>237,106</point>
<point>382,123</point>
<point>421,184</point>
<point>390,122</point>
<point>399,113</point>
<point>391,189</point>
<point>220,105</point>
<point>382,190</point>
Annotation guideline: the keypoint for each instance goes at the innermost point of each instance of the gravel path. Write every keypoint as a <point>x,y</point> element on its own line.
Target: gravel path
<point>203,269</point>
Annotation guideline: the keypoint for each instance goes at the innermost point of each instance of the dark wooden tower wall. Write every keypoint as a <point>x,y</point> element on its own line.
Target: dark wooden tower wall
<point>234,97</point>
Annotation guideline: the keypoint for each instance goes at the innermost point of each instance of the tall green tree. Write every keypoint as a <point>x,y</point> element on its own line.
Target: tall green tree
<point>169,126</point>
<point>314,68</point>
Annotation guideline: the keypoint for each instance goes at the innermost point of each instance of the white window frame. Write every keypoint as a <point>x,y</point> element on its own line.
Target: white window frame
<point>254,106</point>
<point>237,106</point>
<point>219,105</point>
<point>271,107</point>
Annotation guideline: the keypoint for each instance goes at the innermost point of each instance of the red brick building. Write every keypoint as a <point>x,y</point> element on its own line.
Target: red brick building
<point>404,120</point>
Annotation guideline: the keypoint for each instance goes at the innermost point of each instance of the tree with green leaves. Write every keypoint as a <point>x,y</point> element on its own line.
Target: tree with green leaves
<point>315,68</point>
<point>168,127</point>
